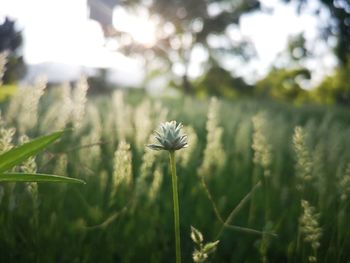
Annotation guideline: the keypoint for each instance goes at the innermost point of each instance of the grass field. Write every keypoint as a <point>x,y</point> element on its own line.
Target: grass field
<point>270,192</point>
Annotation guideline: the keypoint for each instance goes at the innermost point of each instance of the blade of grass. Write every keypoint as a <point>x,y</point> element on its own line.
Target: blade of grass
<point>17,155</point>
<point>235,211</point>
<point>232,214</point>
<point>40,178</point>
<point>249,230</point>
<point>108,221</point>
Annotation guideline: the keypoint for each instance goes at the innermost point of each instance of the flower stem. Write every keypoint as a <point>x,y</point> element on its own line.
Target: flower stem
<point>176,206</point>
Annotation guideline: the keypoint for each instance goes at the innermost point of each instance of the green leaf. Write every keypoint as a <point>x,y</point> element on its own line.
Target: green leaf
<point>17,155</point>
<point>24,177</point>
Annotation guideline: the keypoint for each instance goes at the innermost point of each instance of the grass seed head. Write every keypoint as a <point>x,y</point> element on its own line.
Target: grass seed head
<point>3,62</point>
<point>214,153</point>
<point>310,226</point>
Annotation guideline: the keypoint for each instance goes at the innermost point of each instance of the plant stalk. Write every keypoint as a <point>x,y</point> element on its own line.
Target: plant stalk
<point>176,206</point>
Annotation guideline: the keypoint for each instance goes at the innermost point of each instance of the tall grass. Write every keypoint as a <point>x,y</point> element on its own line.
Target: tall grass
<point>124,213</point>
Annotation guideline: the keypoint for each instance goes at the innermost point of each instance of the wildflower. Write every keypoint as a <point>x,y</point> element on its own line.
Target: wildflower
<point>169,137</point>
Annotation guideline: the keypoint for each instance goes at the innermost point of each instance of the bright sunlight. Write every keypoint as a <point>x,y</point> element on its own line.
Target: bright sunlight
<point>138,24</point>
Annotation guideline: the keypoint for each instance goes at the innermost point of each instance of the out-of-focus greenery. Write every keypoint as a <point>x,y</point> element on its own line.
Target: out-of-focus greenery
<point>16,156</point>
<point>89,224</point>
<point>335,88</point>
<point>337,26</point>
<point>6,91</point>
<point>198,24</point>
<point>282,84</point>
<point>219,82</point>
<point>10,41</point>
<point>183,26</point>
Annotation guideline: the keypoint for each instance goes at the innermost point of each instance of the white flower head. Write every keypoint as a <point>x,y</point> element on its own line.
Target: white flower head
<point>169,137</point>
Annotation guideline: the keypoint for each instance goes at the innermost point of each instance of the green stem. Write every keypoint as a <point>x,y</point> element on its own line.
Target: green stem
<point>176,207</point>
<point>267,192</point>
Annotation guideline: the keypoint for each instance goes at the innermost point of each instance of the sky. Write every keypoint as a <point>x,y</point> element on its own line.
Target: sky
<point>60,31</point>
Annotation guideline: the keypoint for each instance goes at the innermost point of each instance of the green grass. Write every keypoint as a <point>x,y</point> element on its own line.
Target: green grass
<point>82,224</point>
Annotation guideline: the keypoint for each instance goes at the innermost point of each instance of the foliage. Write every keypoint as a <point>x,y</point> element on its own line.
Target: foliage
<point>338,26</point>
<point>10,41</point>
<point>182,27</point>
<point>283,85</point>
<point>334,89</point>
<point>15,156</point>
<point>218,82</point>
<point>297,47</point>
<point>340,12</point>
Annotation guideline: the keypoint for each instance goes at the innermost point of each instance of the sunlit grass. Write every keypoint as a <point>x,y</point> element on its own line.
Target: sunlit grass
<point>240,185</point>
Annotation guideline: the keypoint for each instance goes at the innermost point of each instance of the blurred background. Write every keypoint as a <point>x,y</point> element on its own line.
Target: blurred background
<point>290,50</point>
<point>262,88</point>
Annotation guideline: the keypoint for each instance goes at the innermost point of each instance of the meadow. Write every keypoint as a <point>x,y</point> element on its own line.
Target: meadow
<point>270,181</point>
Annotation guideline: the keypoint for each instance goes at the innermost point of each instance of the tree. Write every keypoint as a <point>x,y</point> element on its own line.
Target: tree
<point>338,25</point>
<point>186,25</point>
<point>296,48</point>
<point>340,11</point>
<point>10,41</point>
<point>283,84</point>
<point>335,88</point>
<point>220,83</point>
